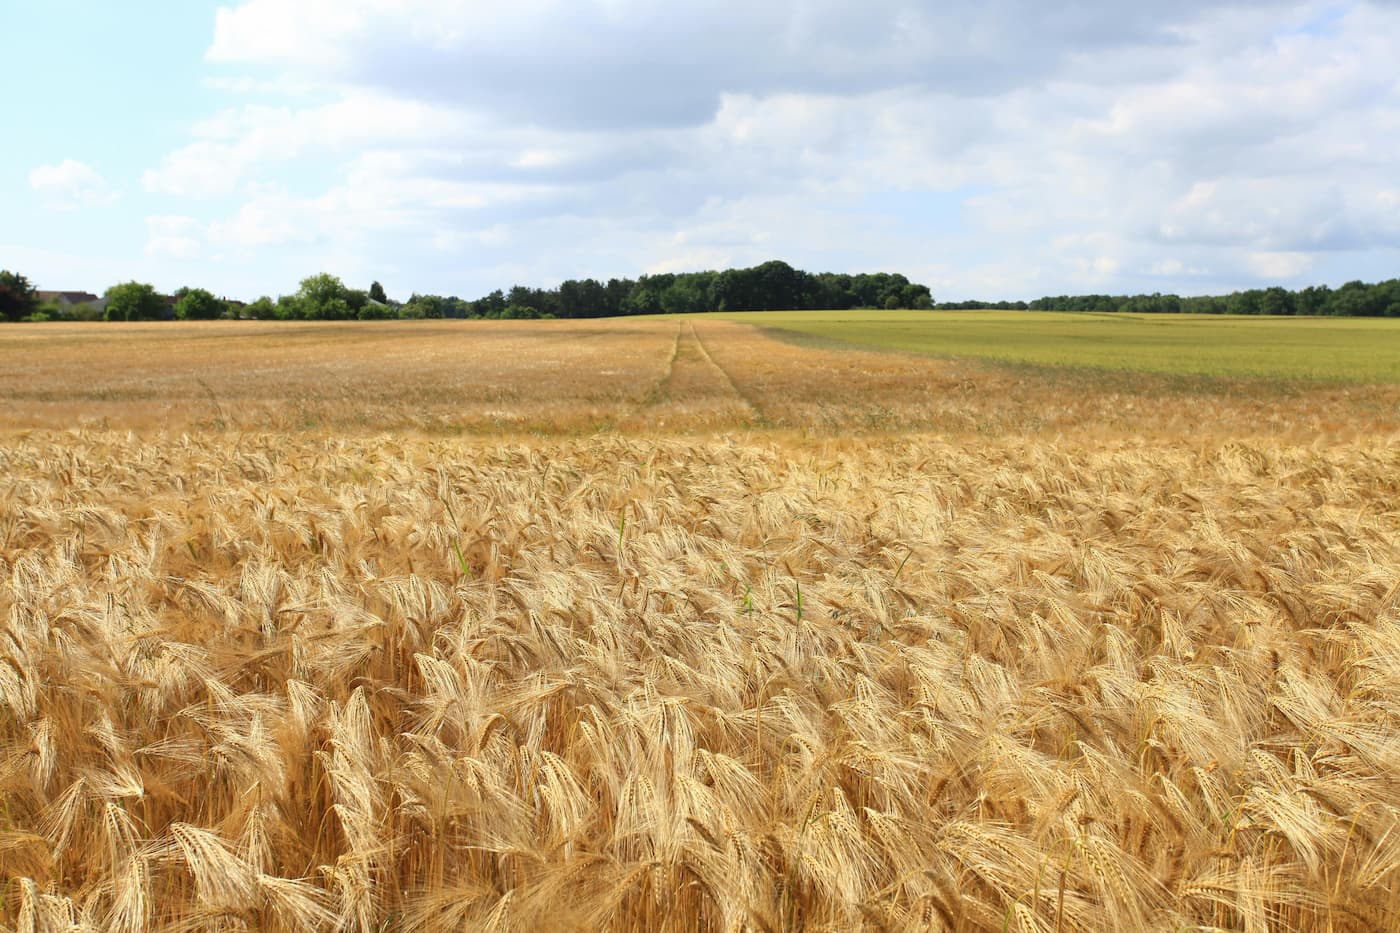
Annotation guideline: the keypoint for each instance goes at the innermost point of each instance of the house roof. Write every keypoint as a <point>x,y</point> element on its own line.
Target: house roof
<point>73,298</point>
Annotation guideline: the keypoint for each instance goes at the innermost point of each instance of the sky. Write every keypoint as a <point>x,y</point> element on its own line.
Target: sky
<point>990,149</point>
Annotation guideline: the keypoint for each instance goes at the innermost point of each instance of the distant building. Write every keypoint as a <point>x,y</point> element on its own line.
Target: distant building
<point>69,300</point>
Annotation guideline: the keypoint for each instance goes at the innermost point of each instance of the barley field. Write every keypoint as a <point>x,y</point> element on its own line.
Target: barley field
<point>1355,349</point>
<point>674,625</point>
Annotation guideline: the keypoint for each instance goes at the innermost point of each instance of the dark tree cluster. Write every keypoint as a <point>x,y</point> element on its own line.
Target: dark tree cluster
<point>18,298</point>
<point>1354,299</point>
<point>325,297</point>
<point>137,301</point>
<point>771,286</point>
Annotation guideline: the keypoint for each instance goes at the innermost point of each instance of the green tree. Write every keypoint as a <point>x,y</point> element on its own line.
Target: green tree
<point>376,293</point>
<point>373,311</point>
<point>1245,302</point>
<point>1388,297</point>
<point>135,301</point>
<point>261,310</point>
<point>324,297</point>
<point>1313,299</point>
<point>288,308</point>
<point>357,300</point>
<point>429,306</point>
<point>80,312</point>
<point>687,294</point>
<point>917,297</point>
<point>1276,300</point>
<point>18,299</point>
<point>196,304</point>
<point>1353,299</point>
<point>774,286</point>
<point>643,299</point>
<point>491,305</point>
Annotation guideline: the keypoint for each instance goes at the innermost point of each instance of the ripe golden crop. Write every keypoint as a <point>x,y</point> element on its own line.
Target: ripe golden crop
<point>1017,675</point>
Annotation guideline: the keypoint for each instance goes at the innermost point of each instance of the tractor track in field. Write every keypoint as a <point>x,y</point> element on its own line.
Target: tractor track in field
<point>695,390</point>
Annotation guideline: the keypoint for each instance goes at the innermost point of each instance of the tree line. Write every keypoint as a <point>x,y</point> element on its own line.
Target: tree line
<point>1354,299</point>
<point>770,286</point>
<point>767,287</point>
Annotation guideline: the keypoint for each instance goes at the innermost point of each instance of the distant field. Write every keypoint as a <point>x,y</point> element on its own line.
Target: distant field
<point>1356,350</point>
<point>828,372</point>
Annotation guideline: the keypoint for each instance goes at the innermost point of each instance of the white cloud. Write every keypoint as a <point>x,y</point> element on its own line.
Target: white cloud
<point>1011,147</point>
<point>270,219</point>
<point>203,169</point>
<point>235,141</point>
<point>308,31</point>
<point>275,87</point>
<point>1282,267</point>
<point>70,185</point>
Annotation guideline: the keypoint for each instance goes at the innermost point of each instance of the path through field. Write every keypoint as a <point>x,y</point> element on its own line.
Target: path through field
<point>695,392</point>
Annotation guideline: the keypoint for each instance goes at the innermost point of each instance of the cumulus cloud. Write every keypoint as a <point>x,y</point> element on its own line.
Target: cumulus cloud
<point>1191,145</point>
<point>70,185</point>
<point>204,169</point>
<point>616,63</point>
<point>1282,267</point>
<point>235,140</point>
